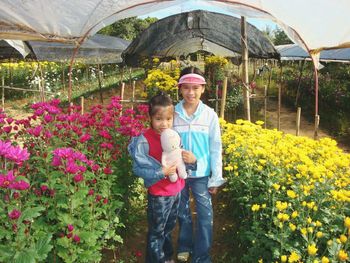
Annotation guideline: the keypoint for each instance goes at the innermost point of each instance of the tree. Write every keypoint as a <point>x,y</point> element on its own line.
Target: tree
<point>280,38</point>
<point>268,32</point>
<point>128,28</point>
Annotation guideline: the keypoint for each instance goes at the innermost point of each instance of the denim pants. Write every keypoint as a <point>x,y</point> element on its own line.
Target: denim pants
<point>162,213</point>
<point>200,243</point>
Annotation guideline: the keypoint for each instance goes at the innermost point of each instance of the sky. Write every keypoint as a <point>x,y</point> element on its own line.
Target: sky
<point>259,23</point>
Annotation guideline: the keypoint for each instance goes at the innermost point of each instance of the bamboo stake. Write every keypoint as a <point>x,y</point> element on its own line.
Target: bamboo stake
<point>265,105</point>
<point>298,121</point>
<point>99,82</point>
<point>245,79</point>
<point>82,104</point>
<point>3,92</point>
<point>223,99</point>
<point>122,95</point>
<point>279,101</point>
<point>317,123</point>
<point>216,98</point>
<point>133,94</point>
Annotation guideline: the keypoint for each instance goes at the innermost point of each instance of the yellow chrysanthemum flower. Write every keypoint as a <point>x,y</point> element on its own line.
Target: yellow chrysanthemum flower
<point>343,255</point>
<point>312,250</point>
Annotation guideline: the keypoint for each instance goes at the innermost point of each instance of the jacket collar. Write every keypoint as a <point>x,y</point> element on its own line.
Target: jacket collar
<point>179,109</point>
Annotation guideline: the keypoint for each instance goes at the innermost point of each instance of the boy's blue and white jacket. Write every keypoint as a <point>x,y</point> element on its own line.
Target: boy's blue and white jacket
<point>201,135</point>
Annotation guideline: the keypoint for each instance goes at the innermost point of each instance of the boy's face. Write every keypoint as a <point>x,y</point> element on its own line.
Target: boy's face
<point>163,118</point>
<point>191,93</point>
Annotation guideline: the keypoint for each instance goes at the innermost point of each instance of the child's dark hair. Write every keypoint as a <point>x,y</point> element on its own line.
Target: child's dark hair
<point>161,99</point>
<point>190,70</point>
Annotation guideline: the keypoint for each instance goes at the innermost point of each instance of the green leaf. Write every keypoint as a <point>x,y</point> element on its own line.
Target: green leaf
<point>25,256</point>
<point>31,213</point>
<point>6,253</point>
<point>43,246</point>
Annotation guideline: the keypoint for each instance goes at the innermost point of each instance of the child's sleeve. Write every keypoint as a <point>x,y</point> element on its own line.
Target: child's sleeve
<point>143,166</point>
<point>215,148</point>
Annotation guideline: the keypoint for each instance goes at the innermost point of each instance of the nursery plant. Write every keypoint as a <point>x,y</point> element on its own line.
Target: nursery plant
<point>289,195</point>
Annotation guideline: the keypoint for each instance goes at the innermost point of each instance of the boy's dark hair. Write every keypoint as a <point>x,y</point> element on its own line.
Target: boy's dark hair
<point>161,99</point>
<point>190,70</point>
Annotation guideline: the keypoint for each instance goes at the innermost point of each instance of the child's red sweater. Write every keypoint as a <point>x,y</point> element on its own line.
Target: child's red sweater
<point>163,187</point>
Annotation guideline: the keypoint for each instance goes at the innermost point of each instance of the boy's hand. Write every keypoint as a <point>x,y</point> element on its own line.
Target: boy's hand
<point>169,170</point>
<point>188,157</point>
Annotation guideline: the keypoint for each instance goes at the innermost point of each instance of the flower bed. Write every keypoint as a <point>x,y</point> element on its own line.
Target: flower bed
<point>63,194</point>
<point>289,195</point>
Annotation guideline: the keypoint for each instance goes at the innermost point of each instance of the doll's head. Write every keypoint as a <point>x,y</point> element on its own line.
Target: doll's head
<point>170,140</point>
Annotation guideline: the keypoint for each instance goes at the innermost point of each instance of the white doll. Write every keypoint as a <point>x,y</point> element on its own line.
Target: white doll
<point>172,153</point>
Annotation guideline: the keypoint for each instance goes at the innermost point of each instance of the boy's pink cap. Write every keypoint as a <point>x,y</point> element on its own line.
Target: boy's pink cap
<point>192,78</point>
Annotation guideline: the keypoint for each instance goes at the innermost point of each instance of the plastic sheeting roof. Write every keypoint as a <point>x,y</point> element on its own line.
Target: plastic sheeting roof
<point>295,52</point>
<point>185,33</point>
<point>314,24</point>
<point>98,49</point>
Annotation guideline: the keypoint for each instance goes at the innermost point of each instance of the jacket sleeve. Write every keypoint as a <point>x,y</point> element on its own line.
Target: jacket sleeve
<point>215,148</point>
<point>143,165</point>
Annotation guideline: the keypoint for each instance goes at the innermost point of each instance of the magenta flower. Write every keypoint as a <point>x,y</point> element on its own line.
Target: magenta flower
<point>9,121</point>
<point>19,185</point>
<point>78,178</point>
<point>14,153</point>
<point>105,134</point>
<point>6,180</point>
<point>70,228</point>
<point>76,239</point>
<point>48,118</point>
<point>107,170</point>
<point>7,129</point>
<point>35,131</point>
<point>85,137</point>
<point>14,214</point>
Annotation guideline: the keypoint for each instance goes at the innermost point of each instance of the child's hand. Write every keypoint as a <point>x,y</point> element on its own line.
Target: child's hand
<point>169,170</point>
<point>213,190</point>
<point>188,157</point>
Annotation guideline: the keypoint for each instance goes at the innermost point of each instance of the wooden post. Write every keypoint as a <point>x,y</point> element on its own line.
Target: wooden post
<point>265,105</point>
<point>279,101</point>
<point>317,123</point>
<point>122,95</point>
<point>133,94</point>
<point>223,99</point>
<point>122,91</point>
<point>99,82</point>
<point>245,79</point>
<point>216,98</point>
<point>3,92</point>
<point>299,82</point>
<point>298,121</point>
<point>82,104</point>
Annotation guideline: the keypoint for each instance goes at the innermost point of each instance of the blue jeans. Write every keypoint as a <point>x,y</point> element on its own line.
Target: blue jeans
<point>200,245</point>
<point>162,212</point>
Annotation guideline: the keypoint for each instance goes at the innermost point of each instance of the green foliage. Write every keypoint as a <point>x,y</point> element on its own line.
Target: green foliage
<point>128,28</point>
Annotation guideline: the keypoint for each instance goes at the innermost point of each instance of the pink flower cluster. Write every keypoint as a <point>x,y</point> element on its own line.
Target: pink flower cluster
<point>13,153</point>
<point>71,161</point>
<point>9,181</point>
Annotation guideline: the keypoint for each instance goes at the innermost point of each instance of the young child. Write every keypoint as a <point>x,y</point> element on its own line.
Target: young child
<point>198,126</point>
<point>163,195</point>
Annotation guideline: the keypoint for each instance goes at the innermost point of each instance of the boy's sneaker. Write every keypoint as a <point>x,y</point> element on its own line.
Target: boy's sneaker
<point>169,261</point>
<point>183,256</point>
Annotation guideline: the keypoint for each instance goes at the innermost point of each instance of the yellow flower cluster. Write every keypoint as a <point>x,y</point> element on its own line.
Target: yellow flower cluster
<point>216,61</point>
<point>304,182</point>
<point>26,65</point>
<point>159,80</point>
